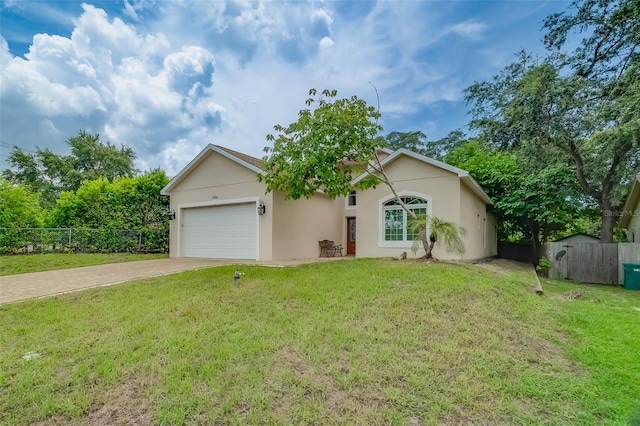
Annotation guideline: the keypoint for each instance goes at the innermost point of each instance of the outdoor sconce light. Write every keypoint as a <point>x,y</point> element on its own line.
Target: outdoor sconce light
<point>261,208</point>
<point>171,214</point>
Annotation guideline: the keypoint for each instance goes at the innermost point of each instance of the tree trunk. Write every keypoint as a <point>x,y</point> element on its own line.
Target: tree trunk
<point>608,221</point>
<point>428,247</point>
<point>537,246</point>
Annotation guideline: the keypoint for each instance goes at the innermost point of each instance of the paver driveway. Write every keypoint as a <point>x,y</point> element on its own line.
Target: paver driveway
<point>48,283</point>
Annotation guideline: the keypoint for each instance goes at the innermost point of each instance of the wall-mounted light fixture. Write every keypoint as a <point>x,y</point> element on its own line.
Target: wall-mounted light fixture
<point>171,214</point>
<point>261,208</point>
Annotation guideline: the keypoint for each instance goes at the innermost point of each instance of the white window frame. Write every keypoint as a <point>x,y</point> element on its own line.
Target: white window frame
<point>346,201</point>
<point>381,215</point>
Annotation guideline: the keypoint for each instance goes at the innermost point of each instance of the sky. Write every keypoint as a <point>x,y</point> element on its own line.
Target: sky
<point>169,77</point>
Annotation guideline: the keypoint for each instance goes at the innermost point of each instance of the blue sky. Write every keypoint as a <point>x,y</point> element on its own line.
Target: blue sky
<point>167,78</point>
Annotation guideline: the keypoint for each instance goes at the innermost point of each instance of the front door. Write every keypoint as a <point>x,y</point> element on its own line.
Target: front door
<point>351,235</point>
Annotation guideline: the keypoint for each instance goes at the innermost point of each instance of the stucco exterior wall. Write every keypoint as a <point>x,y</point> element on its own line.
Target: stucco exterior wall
<point>480,225</point>
<point>493,221</point>
<point>218,180</point>
<point>634,223</point>
<point>298,225</point>
<point>413,177</point>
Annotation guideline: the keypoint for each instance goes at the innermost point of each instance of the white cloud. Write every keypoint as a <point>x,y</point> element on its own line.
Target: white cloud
<point>167,78</point>
<point>108,78</point>
<point>326,42</point>
<point>469,29</point>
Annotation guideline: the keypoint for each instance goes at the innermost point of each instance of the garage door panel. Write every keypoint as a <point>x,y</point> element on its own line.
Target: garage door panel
<point>225,232</point>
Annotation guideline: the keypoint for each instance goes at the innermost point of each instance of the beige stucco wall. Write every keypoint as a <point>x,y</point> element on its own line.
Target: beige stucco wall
<point>217,176</point>
<point>480,241</point>
<point>634,223</point>
<point>409,175</point>
<point>298,225</point>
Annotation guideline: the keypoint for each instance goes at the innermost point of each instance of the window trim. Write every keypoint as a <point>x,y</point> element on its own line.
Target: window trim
<point>381,233</point>
<point>346,201</point>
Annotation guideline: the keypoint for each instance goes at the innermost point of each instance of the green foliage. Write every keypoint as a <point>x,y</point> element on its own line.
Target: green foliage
<point>125,203</point>
<point>325,149</point>
<point>49,173</point>
<point>531,205</point>
<point>544,265</point>
<point>416,141</point>
<point>20,207</point>
<point>610,31</point>
<point>577,107</point>
<point>547,118</point>
<point>440,231</point>
<point>129,203</point>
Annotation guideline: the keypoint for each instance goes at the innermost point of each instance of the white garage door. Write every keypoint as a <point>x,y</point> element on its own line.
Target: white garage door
<point>220,232</point>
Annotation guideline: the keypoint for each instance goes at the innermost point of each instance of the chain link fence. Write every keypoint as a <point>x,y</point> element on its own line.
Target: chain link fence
<point>82,240</point>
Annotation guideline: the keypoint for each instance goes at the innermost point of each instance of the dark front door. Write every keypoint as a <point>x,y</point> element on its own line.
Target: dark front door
<point>351,235</point>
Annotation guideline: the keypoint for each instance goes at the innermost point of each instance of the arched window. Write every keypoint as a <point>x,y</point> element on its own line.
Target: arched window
<point>396,218</point>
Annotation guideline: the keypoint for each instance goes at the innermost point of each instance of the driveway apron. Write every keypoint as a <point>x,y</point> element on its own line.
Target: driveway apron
<point>49,283</point>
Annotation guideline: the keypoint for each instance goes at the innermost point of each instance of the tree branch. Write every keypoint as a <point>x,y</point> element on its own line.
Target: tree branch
<point>582,180</point>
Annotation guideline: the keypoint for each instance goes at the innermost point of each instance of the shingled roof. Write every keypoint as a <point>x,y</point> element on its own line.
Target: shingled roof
<point>244,157</point>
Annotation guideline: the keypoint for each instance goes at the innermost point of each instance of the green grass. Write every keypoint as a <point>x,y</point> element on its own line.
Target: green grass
<point>350,342</point>
<point>21,264</point>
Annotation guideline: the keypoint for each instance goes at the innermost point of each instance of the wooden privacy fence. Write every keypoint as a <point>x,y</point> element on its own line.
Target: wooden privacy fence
<point>518,252</point>
<point>590,262</point>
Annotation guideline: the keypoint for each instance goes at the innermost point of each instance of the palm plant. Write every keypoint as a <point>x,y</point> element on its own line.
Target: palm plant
<point>440,231</point>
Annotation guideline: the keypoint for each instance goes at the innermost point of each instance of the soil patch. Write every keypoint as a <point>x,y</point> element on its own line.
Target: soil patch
<point>126,404</point>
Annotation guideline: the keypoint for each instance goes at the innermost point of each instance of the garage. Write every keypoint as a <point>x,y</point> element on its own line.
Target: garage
<point>220,232</point>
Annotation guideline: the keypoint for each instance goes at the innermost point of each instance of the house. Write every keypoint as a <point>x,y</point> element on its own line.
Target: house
<point>222,211</point>
<point>630,215</point>
<point>579,237</point>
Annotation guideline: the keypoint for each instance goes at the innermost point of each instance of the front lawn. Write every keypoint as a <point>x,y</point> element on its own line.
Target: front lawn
<point>348,342</point>
<point>21,264</point>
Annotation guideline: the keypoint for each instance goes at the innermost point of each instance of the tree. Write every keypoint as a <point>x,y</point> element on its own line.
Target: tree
<point>545,117</point>
<point>326,148</point>
<point>49,174</point>
<point>416,141</point>
<point>531,205</point>
<point>439,230</point>
<point>608,57</point>
<point>126,203</point>
<point>612,42</point>
<point>20,207</point>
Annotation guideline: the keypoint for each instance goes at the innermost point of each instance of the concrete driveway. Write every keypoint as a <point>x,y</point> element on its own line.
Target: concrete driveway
<point>49,283</point>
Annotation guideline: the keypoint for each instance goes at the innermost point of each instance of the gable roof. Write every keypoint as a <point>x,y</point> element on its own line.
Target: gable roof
<point>251,163</point>
<point>632,202</point>
<point>244,157</point>
<point>462,174</point>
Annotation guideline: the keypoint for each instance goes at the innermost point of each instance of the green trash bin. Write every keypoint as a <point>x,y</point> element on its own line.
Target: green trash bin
<point>631,276</point>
